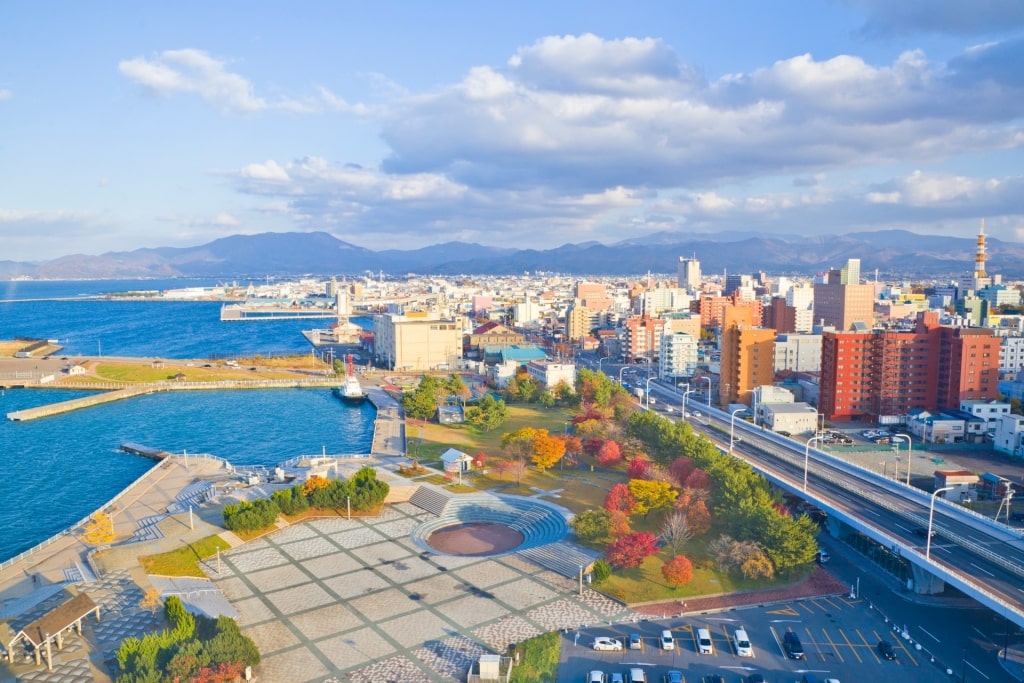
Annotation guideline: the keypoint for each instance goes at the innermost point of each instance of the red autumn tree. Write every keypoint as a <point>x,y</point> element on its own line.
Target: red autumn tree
<point>619,499</point>
<point>618,525</point>
<point>609,454</point>
<point>698,518</point>
<point>631,550</point>
<point>592,445</point>
<point>698,479</point>
<point>680,469</point>
<point>639,468</point>
<point>678,571</point>
<point>480,460</point>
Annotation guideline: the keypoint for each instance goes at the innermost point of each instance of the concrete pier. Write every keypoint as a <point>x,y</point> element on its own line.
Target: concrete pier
<point>77,403</point>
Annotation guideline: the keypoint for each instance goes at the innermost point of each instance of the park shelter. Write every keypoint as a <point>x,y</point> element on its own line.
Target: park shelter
<point>456,461</point>
<point>51,626</point>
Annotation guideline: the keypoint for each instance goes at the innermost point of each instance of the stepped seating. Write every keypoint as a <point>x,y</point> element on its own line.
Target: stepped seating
<point>431,499</point>
<point>540,524</point>
<point>148,529</point>
<point>193,495</point>
<point>561,558</point>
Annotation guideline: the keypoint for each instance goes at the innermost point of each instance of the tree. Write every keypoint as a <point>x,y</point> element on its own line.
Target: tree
<point>602,570</point>
<point>546,398</point>
<point>678,571</point>
<point>502,467</point>
<point>675,531</point>
<point>618,525</point>
<point>99,530</point>
<point>639,468</point>
<point>151,600</point>
<point>698,479</point>
<point>609,454</point>
<point>631,550</point>
<point>591,525</point>
<point>457,387</point>
<point>519,446</point>
<point>619,499</point>
<point>651,495</point>
<point>547,449</point>
<point>422,402</point>
<point>480,460</point>
<point>680,469</point>
<point>698,518</point>
<point>758,567</point>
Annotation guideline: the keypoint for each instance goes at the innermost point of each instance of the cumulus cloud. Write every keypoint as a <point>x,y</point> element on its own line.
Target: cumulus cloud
<point>953,17</point>
<point>196,72</point>
<point>586,114</point>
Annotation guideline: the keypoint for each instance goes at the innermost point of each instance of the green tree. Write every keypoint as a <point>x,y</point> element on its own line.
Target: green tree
<point>422,402</point>
<point>601,571</point>
<point>591,525</point>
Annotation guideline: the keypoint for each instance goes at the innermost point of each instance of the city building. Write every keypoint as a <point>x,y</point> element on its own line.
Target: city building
<point>417,344</point>
<point>642,338</point>
<point>689,277</point>
<point>867,375</point>
<point>549,375</point>
<point>1009,436</point>
<point>840,301</point>
<point>795,418</point>
<point>747,356</point>
<point>798,352</point>
<point>678,356</point>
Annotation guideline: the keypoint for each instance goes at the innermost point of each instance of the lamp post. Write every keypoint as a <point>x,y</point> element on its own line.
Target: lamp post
<point>807,456</point>
<point>621,370</point>
<point>647,392</point>
<point>910,452</point>
<point>601,360</point>
<point>709,390</point>
<point>581,580</point>
<point>931,518</point>
<point>686,394</point>
<point>732,426</point>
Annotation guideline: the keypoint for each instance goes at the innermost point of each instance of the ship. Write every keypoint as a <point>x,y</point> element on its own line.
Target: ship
<point>351,391</point>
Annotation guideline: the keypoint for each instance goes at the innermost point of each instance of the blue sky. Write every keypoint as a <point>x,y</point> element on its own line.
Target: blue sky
<point>527,124</point>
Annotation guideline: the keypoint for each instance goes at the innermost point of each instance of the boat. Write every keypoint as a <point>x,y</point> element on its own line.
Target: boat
<point>351,391</point>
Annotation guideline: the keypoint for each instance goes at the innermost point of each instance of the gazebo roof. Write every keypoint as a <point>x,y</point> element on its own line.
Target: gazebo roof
<point>58,619</point>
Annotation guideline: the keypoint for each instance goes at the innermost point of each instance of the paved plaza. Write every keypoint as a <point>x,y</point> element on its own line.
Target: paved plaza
<point>336,600</point>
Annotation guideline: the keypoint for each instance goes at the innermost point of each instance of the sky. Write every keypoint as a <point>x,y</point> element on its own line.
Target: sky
<point>526,124</point>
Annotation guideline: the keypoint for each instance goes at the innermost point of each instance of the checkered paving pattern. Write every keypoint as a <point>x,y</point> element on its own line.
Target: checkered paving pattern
<point>337,600</point>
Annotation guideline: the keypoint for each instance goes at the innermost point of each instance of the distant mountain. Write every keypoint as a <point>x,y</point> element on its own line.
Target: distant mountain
<point>894,253</point>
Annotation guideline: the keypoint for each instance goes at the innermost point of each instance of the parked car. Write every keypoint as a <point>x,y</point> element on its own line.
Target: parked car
<point>886,650</point>
<point>597,677</point>
<point>617,678</point>
<point>607,644</point>
<point>637,675</point>
<point>704,644</point>
<point>742,643</point>
<point>674,676</point>
<point>667,641</point>
<point>792,645</point>
<point>635,641</point>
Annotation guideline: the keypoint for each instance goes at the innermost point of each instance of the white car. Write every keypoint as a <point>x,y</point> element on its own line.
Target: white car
<point>742,643</point>
<point>607,644</point>
<point>696,413</point>
<point>596,677</point>
<point>667,641</point>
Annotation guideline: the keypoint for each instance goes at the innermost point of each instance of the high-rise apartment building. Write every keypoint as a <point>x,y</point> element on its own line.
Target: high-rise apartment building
<point>689,277</point>
<point>801,299</point>
<point>865,375</point>
<point>678,355</point>
<point>841,302</point>
<point>748,357</point>
<point>642,338</point>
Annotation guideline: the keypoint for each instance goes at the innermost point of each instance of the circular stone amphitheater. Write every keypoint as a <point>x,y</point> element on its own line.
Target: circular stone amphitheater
<point>488,525</point>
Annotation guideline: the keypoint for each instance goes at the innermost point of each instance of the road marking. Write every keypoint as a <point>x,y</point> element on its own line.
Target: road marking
<point>834,648</point>
<point>980,569</point>
<point>872,512</point>
<point>788,611</point>
<point>979,632</point>
<point>977,669</point>
<point>930,635</point>
<point>868,646</point>
<point>900,645</point>
<point>852,647</point>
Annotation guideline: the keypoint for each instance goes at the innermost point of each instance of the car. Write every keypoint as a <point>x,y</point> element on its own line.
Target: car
<point>704,644</point>
<point>617,678</point>
<point>637,675</point>
<point>696,413</point>
<point>742,644</point>
<point>886,650</point>
<point>667,641</point>
<point>674,676</point>
<point>596,677</point>
<point>783,432</point>
<point>713,678</point>
<point>792,645</point>
<point>822,557</point>
<point>607,644</point>
<point>635,641</point>
<point>924,531</point>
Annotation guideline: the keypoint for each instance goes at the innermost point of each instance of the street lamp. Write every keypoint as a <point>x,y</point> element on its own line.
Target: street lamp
<point>621,370</point>
<point>807,456</point>
<point>732,426</point>
<point>686,393</point>
<point>709,391</point>
<point>601,360</point>
<point>910,452</point>
<point>647,392</point>
<point>931,518</point>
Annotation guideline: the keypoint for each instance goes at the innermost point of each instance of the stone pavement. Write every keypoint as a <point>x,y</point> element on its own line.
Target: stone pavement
<point>356,600</point>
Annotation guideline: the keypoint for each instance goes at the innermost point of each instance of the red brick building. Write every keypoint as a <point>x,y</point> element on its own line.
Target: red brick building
<point>882,372</point>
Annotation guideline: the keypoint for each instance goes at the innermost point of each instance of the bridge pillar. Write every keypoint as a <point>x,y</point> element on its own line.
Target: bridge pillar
<point>835,526</point>
<point>926,583</point>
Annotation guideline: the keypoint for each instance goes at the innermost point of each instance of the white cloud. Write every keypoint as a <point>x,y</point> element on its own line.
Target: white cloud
<point>42,217</point>
<point>269,170</point>
<point>5,94</point>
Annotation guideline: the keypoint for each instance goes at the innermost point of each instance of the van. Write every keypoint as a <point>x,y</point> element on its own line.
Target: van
<point>704,645</point>
<point>637,675</point>
<point>742,643</point>
<point>667,642</point>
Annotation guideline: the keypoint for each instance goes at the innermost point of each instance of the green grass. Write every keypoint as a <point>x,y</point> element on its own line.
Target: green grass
<point>646,584</point>
<point>183,561</point>
<point>470,439</point>
<point>538,659</point>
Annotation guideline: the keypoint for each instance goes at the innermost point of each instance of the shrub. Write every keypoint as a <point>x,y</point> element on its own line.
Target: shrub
<point>631,550</point>
<point>678,571</point>
<point>601,571</point>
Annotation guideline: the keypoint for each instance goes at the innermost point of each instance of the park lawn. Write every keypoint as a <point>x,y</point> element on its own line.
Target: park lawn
<point>138,372</point>
<point>538,659</point>
<point>183,561</point>
<point>646,584</point>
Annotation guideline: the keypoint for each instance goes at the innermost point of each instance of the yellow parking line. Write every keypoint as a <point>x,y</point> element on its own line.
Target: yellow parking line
<point>869,646</point>
<point>853,648</point>
<point>834,648</point>
<point>833,604</point>
<point>809,610</point>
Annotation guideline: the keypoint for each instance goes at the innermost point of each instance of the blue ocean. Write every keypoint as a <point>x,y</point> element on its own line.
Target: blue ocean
<point>59,469</point>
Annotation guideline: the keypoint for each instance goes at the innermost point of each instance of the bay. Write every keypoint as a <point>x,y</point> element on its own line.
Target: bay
<point>59,469</point>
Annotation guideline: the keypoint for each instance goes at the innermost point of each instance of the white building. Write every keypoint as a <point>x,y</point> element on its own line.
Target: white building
<point>798,352</point>
<point>801,298</point>
<point>1011,354</point>
<point>795,418</point>
<point>550,375</point>
<point>689,274</point>
<point>990,411</point>
<point>1009,437</point>
<point>678,355</point>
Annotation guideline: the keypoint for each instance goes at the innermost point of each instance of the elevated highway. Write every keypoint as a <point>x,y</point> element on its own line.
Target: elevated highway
<point>977,555</point>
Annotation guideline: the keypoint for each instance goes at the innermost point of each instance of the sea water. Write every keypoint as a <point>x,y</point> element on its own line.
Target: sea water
<point>56,470</point>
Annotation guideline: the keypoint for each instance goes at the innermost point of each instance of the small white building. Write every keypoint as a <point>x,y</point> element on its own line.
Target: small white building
<point>989,411</point>
<point>936,428</point>
<point>795,418</point>
<point>75,370</point>
<point>456,461</point>
<point>1009,436</point>
<point>549,375</point>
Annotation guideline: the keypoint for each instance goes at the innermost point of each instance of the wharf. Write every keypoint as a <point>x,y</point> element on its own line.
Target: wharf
<point>78,403</point>
<point>144,451</point>
<point>234,312</point>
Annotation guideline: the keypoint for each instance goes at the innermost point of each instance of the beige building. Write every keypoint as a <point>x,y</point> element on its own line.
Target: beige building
<point>550,375</point>
<point>748,357</point>
<point>841,300</point>
<point>417,344</point>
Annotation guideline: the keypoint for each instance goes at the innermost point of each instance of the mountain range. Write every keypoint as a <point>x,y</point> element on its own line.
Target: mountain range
<point>895,254</point>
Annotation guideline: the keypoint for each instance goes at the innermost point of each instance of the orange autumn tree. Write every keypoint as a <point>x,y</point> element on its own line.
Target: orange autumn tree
<point>547,449</point>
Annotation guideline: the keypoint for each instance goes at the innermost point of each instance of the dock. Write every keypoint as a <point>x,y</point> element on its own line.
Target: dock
<point>144,451</point>
<point>78,403</point>
<point>248,311</point>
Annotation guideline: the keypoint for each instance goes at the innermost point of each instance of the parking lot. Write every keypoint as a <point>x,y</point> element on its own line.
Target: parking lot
<point>840,640</point>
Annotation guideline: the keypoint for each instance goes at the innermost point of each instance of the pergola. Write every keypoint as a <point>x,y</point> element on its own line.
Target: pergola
<point>51,627</point>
